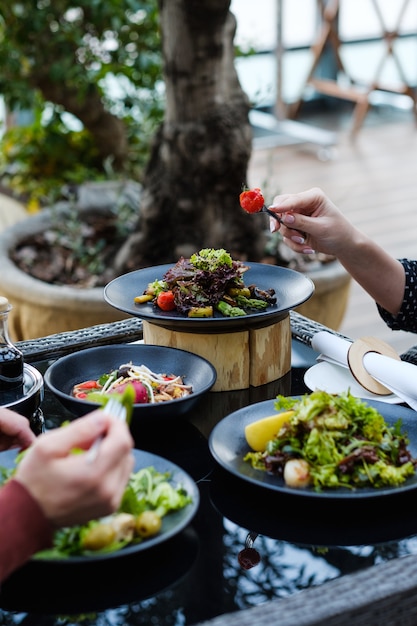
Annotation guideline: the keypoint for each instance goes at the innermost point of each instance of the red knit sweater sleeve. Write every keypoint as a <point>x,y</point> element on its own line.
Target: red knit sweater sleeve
<point>24,529</point>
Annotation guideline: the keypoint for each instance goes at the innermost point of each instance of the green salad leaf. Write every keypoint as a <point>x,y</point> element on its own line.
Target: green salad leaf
<point>147,490</point>
<point>344,441</point>
<point>127,398</point>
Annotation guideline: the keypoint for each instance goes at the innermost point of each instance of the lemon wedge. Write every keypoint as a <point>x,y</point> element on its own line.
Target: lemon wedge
<point>260,432</point>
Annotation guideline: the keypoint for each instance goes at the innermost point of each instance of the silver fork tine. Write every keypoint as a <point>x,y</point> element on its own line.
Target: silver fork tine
<point>113,407</point>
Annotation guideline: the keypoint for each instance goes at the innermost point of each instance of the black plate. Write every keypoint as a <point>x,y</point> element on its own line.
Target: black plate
<point>301,521</point>
<point>228,446</point>
<point>291,288</point>
<point>91,363</point>
<point>172,524</point>
<point>154,571</point>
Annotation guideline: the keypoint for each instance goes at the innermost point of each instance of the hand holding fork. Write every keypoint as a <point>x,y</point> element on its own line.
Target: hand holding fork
<point>112,407</point>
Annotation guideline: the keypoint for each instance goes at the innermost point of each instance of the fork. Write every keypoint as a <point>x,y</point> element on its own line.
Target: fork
<point>113,407</point>
<point>279,219</point>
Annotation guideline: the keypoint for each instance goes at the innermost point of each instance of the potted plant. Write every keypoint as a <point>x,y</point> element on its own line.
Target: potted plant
<point>56,262</point>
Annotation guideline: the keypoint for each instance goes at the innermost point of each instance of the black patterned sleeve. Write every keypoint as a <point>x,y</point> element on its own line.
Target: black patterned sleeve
<point>407,317</point>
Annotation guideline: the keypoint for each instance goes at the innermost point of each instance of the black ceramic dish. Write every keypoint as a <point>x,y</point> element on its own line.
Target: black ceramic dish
<point>157,563</point>
<point>91,363</point>
<point>228,446</point>
<point>172,524</point>
<point>291,289</point>
<point>155,570</point>
<point>306,521</point>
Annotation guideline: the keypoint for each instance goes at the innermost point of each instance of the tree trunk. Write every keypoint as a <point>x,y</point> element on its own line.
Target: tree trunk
<point>200,156</point>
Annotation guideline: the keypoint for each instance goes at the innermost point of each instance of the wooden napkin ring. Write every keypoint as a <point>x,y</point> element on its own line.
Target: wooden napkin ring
<point>355,355</point>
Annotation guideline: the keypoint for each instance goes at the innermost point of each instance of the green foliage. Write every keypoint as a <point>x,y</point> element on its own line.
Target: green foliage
<point>59,58</point>
<point>37,160</point>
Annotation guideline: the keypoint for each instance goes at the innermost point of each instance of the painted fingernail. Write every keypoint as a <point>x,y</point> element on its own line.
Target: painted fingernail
<point>308,251</point>
<point>297,239</point>
<point>288,218</point>
<point>272,224</point>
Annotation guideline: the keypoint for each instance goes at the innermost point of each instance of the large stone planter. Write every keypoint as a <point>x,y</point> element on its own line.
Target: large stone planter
<point>329,301</point>
<point>39,308</point>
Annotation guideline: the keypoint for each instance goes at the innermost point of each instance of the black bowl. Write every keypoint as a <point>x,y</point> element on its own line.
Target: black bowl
<point>89,364</point>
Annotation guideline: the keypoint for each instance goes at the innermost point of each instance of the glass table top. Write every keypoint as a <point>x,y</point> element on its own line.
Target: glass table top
<point>198,574</point>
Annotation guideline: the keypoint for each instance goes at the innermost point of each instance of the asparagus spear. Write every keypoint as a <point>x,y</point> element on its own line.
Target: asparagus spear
<point>229,311</point>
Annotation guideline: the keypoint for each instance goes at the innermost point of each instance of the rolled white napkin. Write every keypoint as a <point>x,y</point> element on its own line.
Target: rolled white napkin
<point>332,348</point>
<point>399,377</point>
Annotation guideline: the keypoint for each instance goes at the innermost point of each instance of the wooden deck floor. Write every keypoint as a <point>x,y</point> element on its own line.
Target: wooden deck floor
<point>372,179</point>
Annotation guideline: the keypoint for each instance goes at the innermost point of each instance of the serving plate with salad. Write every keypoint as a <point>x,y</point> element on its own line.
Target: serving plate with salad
<point>94,368</point>
<point>176,500</point>
<point>230,448</point>
<point>289,288</point>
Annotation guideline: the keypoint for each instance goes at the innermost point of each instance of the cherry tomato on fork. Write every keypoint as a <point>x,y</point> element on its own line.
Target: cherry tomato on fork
<point>252,200</point>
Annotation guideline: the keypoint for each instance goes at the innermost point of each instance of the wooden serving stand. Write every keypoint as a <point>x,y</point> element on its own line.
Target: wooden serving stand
<point>248,357</point>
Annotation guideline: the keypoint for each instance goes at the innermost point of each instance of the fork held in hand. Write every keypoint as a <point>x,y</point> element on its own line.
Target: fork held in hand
<point>112,407</point>
<point>279,219</point>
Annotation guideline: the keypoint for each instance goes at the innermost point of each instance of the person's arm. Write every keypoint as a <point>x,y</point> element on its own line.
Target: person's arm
<point>325,229</point>
<point>406,319</point>
<point>24,529</point>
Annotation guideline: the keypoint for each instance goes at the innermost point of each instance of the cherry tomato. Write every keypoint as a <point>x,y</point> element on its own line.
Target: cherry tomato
<point>252,200</point>
<point>89,384</point>
<point>82,389</point>
<point>165,301</point>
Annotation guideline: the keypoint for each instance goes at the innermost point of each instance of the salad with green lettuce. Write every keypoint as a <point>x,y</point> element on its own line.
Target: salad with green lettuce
<point>333,441</point>
<point>149,496</point>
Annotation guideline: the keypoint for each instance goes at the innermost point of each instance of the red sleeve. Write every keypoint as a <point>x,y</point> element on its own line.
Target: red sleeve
<point>24,529</point>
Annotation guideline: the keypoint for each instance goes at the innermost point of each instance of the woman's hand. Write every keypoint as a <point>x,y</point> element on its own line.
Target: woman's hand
<point>15,430</point>
<point>323,227</point>
<point>68,489</point>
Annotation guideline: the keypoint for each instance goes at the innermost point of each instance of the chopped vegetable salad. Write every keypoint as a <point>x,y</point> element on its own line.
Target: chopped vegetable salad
<point>148,386</point>
<point>208,281</point>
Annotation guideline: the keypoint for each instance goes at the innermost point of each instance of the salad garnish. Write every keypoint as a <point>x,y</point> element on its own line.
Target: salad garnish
<point>208,281</point>
<point>148,387</point>
<point>333,441</point>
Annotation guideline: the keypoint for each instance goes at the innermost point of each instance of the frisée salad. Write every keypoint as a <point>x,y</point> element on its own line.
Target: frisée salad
<point>149,496</point>
<point>327,441</point>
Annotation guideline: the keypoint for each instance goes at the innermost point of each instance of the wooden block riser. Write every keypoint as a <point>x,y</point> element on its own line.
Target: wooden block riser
<point>245,358</point>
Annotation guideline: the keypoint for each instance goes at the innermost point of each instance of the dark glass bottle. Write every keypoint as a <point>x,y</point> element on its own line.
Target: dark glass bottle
<point>11,360</point>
